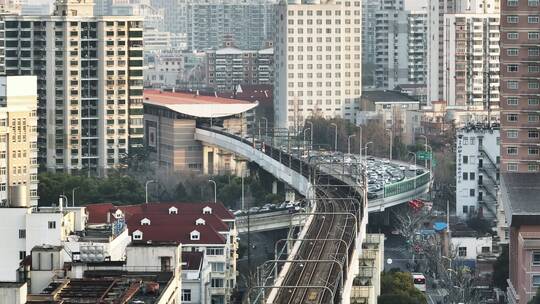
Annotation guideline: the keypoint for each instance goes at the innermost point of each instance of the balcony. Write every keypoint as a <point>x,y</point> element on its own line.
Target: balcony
<point>361,294</point>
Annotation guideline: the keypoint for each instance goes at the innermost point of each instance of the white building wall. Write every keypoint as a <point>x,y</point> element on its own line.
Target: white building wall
<point>13,220</point>
<point>468,145</point>
<point>318,65</point>
<point>474,246</point>
<point>13,294</point>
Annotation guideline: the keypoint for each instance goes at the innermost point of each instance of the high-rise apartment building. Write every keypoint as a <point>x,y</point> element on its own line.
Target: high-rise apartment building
<point>443,34</point>
<point>471,60</point>
<point>417,47</point>
<point>18,139</point>
<point>318,57</point>
<point>391,45</point>
<point>229,67</point>
<point>90,80</point>
<point>369,7</point>
<point>249,23</point>
<point>520,87</point>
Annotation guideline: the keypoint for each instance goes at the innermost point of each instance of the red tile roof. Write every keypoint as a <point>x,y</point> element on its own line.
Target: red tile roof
<point>97,213</point>
<point>169,227</point>
<point>178,98</point>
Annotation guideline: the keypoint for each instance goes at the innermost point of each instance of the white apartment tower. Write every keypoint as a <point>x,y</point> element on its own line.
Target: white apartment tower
<point>439,38</point>
<point>89,78</point>
<point>417,48</point>
<point>318,57</point>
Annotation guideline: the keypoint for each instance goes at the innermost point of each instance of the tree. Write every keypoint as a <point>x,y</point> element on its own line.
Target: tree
<point>501,270</point>
<point>398,288</point>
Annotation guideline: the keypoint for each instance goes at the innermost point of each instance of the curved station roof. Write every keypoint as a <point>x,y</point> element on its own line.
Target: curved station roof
<point>195,105</point>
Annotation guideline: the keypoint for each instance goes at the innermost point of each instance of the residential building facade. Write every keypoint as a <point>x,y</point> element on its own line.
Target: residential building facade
<point>471,60</point>
<point>18,139</point>
<point>477,171</point>
<point>229,67</point>
<point>90,80</point>
<point>318,57</point>
<point>520,68</point>
<point>391,45</point>
<point>417,47</point>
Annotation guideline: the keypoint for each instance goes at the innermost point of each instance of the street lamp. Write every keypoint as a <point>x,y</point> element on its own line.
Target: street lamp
<point>73,196</point>
<point>146,189</point>
<point>335,137</point>
<point>366,147</point>
<point>349,143</point>
<point>310,131</point>
<point>215,189</point>
<point>265,128</point>
<point>391,141</point>
<point>415,171</point>
<point>61,202</point>
<point>426,148</point>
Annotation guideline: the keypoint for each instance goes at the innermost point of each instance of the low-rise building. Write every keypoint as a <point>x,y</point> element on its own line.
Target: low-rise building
<point>519,196</point>
<point>477,170</point>
<point>394,111</point>
<point>367,284</point>
<point>208,229</point>
<point>170,120</point>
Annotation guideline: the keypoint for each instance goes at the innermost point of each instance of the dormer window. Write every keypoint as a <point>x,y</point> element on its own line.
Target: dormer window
<point>173,210</point>
<point>200,222</point>
<point>145,222</point>
<point>118,214</point>
<point>137,235</point>
<point>195,235</point>
<point>207,210</point>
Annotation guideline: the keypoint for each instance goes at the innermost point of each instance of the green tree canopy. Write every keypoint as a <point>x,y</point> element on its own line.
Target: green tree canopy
<point>398,288</point>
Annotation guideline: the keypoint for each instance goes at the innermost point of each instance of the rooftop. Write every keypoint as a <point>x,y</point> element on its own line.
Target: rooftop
<point>106,287</point>
<point>387,96</point>
<point>196,105</point>
<point>520,196</point>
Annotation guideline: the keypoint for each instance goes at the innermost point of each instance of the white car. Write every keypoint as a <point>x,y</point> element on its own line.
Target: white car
<point>412,168</point>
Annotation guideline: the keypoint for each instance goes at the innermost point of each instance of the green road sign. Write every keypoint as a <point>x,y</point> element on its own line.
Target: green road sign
<point>423,155</point>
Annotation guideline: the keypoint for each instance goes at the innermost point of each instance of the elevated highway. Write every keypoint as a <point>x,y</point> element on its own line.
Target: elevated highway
<point>322,269</point>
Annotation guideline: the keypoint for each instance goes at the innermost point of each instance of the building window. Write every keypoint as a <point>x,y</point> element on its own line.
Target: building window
<point>511,2</point>
<point>533,134</point>
<point>512,133</point>
<point>531,2</point>
<point>22,255</point>
<point>533,68</point>
<point>22,233</point>
<point>512,68</point>
<point>512,35</point>
<point>534,51</point>
<point>465,176</point>
<point>512,151</point>
<point>52,225</point>
<point>512,84</point>
<point>532,167</point>
<point>533,151</point>
<point>186,295</point>
<point>533,35</point>
<point>532,19</point>
<point>472,175</point>
<point>532,117</point>
<point>472,192</point>
<point>462,251</point>
<point>512,167</point>
<point>533,101</point>
<point>512,19</point>
<point>536,280</point>
<point>536,258</point>
<point>214,251</point>
<point>512,100</point>
<point>218,267</point>
<point>532,84</point>
<point>465,209</point>
<point>512,51</point>
<point>512,117</point>
<point>217,282</point>
<point>486,249</point>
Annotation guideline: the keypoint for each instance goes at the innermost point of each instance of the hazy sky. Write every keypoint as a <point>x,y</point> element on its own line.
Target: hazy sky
<point>415,5</point>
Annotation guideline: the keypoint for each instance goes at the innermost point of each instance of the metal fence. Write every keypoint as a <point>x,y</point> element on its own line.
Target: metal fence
<point>407,185</point>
